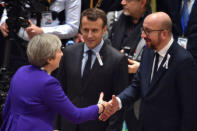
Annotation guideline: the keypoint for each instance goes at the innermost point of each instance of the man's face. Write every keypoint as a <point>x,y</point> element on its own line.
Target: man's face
<point>92,31</point>
<point>131,7</point>
<point>151,34</point>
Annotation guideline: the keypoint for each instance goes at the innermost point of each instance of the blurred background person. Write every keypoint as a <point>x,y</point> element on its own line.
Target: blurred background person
<point>61,18</point>
<point>88,68</point>
<point>184,17</point>
<point>35,96</point>
<point>1,39</point>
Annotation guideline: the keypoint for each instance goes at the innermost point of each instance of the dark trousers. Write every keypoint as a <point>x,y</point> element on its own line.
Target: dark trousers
<point>131,120</point>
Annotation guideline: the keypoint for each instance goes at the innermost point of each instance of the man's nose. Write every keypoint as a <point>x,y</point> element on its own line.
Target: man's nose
<point>90,34</point>
<point>143,34</point>
<point>123,2</point>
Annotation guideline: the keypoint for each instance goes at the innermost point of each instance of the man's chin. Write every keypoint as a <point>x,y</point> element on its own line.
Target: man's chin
<point>149,45</point>
<point>90,45</point>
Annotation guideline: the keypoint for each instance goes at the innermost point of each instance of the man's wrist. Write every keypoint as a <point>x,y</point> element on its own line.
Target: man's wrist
<point>101,105</point>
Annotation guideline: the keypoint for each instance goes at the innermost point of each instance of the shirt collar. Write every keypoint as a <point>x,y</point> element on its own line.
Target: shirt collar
<point>164,50</point>
<point>96,49</point>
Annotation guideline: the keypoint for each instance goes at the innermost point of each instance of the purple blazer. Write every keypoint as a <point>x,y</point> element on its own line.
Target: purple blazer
<point>34,99</point>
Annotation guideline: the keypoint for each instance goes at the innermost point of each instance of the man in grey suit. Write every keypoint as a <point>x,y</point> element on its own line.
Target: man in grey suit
<point>165,81</point>
<point>86,69</point>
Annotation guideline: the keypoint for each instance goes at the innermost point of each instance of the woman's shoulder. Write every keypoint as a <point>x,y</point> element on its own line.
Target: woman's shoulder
<point>27,68</point>
<point>33,73</point>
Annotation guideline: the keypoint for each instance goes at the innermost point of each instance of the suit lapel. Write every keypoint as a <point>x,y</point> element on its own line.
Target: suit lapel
<point>163,67</point>
<point>78,58</point>
<point>148,69</point>
<point>159,73</point>
<point>95,68</point>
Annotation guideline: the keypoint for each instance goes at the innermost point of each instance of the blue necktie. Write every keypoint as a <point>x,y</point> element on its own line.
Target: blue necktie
<point>185,14</point>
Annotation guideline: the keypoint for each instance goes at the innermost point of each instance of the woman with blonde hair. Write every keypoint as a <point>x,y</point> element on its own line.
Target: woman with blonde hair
<point>35,96</point>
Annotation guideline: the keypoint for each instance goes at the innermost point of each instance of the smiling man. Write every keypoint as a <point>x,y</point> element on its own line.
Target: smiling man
<point>165,81</point>
<point>92,67</point>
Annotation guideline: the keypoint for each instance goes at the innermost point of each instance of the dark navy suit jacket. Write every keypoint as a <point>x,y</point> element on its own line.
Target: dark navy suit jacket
<point>168,102</point>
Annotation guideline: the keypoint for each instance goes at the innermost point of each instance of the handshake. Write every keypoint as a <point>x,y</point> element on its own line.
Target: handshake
<point>107,109</point>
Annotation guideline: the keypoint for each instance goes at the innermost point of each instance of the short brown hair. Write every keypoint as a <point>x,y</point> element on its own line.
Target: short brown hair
<point>93,14</point>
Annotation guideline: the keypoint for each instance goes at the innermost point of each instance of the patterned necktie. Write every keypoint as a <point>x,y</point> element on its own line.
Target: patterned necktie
<point>87,68</point>
<point>185,13</point>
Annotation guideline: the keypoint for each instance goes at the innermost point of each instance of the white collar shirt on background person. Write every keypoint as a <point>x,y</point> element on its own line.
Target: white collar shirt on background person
<point>189,4</point>
<point>65,31</point>
<point>85,55</point>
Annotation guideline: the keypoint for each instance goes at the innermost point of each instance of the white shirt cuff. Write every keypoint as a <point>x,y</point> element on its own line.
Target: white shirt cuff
<point>119,102</point>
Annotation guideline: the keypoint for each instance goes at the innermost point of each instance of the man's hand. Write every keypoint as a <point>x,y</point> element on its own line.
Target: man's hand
<point>112,107</point>
<point>122,51</point>
<point>33,30</point>
<point>4,29</point>
<point>104,107</point>
<point>133,66</point>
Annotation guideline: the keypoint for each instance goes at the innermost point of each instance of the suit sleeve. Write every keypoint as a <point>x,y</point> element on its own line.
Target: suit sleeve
<point>187,89</point>
<point>132,93</point>
<point>129,95</point>
<point>120,81</point>
<point>55,99</point>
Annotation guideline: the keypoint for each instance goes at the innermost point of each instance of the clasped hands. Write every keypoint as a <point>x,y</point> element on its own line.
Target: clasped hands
<point>107,109</point>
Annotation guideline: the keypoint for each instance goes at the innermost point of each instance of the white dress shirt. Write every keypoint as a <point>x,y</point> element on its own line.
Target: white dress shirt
<point>189,5</point>
<point>65,31</point>
<point>95,51</point>
<point>162,54</point>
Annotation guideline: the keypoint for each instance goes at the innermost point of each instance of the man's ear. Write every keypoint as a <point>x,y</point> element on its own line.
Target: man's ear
<point>104,29</point>
<point>143,3</point>
<point>165,33</point>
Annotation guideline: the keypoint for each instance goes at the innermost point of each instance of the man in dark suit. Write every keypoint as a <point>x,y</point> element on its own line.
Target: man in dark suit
<point>108,72</point>
<point>185,33</point>
<point>126,33</point>
<point>165,81</point>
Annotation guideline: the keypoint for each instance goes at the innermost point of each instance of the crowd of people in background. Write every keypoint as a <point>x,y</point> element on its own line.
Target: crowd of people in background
<point>143,61</point>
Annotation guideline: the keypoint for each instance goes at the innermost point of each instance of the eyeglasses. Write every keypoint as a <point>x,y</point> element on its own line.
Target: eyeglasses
<point>148,31</point>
